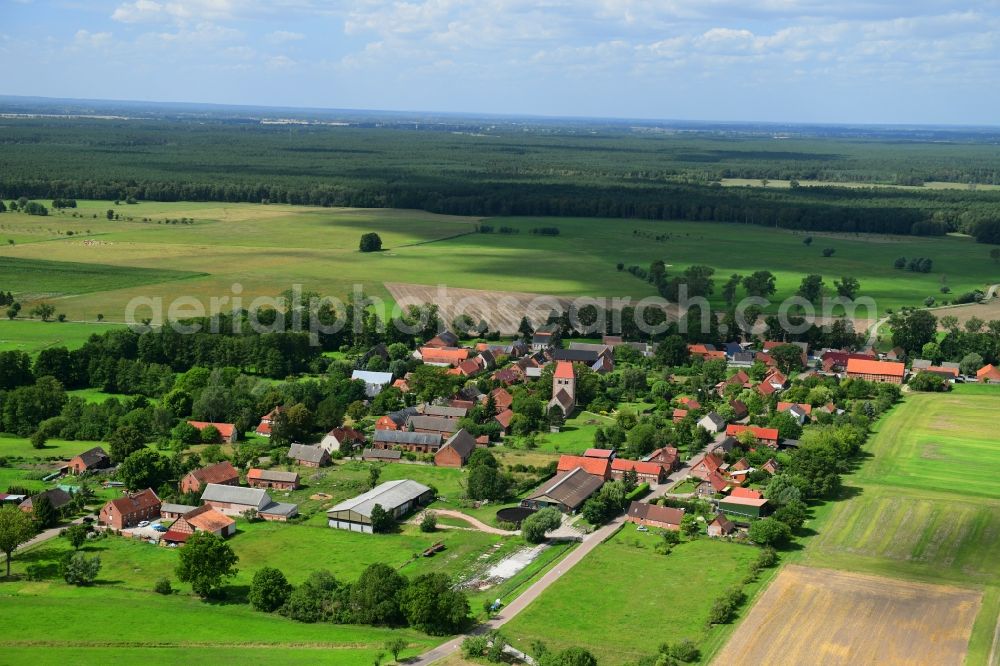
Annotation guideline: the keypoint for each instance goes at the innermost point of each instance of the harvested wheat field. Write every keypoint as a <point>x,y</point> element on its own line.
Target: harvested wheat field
<point>501,310</point>
<point>820,616</point>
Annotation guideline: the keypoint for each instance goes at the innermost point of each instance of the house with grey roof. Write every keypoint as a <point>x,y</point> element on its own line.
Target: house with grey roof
<point>414,442</point>
<point>395,497</point>
<point>713,422</point>
<point>567,491</point>
<point>382,455</point>
<point>237,500</point>
<point>309,455</point>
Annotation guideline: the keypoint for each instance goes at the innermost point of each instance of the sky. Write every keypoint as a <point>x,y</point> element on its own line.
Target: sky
<point>838,61</point>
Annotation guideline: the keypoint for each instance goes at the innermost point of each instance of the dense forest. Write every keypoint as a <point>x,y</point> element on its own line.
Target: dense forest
<point>506,170</point>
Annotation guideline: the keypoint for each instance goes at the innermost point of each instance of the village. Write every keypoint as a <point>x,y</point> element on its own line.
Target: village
<point>703,444</point>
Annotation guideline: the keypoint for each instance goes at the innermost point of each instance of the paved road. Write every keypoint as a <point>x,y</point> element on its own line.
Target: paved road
<point>45,535</point>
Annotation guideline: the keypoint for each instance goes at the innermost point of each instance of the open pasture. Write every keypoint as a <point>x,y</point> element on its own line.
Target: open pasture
<point>824,617</point>
<point>636,595</point>
<point>267,249</point>
<point>34,336</point>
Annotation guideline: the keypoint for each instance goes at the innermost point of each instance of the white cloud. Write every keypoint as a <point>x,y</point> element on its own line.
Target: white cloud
<point>87,39</point>
<point>175,11</point>
<point>284,36</point>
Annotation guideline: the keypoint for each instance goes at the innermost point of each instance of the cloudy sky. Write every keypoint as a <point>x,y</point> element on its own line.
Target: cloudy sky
<point>907,61</point>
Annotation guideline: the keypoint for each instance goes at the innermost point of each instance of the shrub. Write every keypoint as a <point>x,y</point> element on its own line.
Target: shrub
<point>639,491</point>
<point>163,586</point>
<point>429,522</point>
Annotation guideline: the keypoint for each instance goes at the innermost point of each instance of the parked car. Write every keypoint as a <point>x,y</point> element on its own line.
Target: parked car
<point>160,528</point>
<point>144,523</point>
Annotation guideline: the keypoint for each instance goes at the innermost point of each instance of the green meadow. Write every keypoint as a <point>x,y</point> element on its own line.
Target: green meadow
<point>33,336</point>
<point>924,505</point>
<point>626,590</point>
<point>266,249</point>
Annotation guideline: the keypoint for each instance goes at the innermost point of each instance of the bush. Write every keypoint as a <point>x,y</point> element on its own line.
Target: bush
<point>78,569</point>
<point>269,590</point>
<point>639,491</point>
<point>474,646</point>
<point>163,586</point>
<point>429,522</point>
<point>724,609</point>
<point>370,242</point>
<point>534,527</point>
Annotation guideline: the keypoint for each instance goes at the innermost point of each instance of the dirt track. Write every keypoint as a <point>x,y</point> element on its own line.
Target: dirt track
<point>825,617</point>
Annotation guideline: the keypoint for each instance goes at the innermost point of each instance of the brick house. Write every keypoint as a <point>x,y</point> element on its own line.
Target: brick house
<point>222,473</point>
<point>130,510</point>
<point>654,515</point>
<point>202,519</point>
<point>309,455</point>
<point>885,372</point>
<point>721,526</point>
<point>95,458</point>
<point>765,436</point>
<point>272,478</point>
<point>456,451</point>
<point>648,472</point>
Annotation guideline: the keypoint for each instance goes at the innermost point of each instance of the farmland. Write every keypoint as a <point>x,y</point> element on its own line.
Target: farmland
<point>919,509</point>
<point>818,616</point>
<point>627,590</point>
<point>33,336</point>
<point>230,245</point>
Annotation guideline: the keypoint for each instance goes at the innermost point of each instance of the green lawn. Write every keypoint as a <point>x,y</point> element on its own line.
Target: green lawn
<point>624,599</point>
<point>925,505</point>
<point>575,436</point>
<point>61,449</point>
<point>34,335</point>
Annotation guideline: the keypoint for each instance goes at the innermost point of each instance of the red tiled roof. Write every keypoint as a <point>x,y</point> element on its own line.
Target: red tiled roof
<point>622,465</point>
<point>225,429</point>
<point>207,519</point>
<point>988,372</point>
<point>146,499</point>
<point>680,414</point>
<point>598,453</point>
<point>718,483</point>
<point>171,535</point>
<point>745,492</point>
<point>785,406</point>
<point>887,368</point>
<point>218,473</point>
<point>264,428</point>
<point>595,466</point>
<point>504,417</point>
<point>735,429</point>
<point>451,355</point>
<point>564,370</point>
<point>690,403</point>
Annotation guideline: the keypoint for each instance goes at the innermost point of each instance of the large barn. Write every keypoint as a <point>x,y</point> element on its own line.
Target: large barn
<point>396,497</point>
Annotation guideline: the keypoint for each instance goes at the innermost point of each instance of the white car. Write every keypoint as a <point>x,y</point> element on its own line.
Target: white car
<point>144,523</point>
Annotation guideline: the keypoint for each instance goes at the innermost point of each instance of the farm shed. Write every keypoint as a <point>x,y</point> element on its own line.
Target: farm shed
<point>567,491</point>
<point>743,506</point>
<point>396,497</point>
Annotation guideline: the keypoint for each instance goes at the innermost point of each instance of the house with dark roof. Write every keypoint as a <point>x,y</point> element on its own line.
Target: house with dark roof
<point>414,442</point>
<point>396,420</point>
<point>58,498</point>
<point>713,422</point>
<point>130,510</point>
<point>720,526</point>
<point>456,450</point>
<point>567,490</point>
<point>654,515</point>
<point>440,425</point>
<point>221,473</point>
<point>309,455</point>
<point>381,455</point>
<point>91,459</point>
<point>603,454</point>
<point>667,456</point>
<point>237,500</point>
<point>443,339</point>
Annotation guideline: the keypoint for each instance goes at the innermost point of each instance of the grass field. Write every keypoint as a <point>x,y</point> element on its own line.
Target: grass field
<point>624,599</point>
<point>575,436</point>
<point>818,616</point>
<point>32,336</point>
<point>235,244</point>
